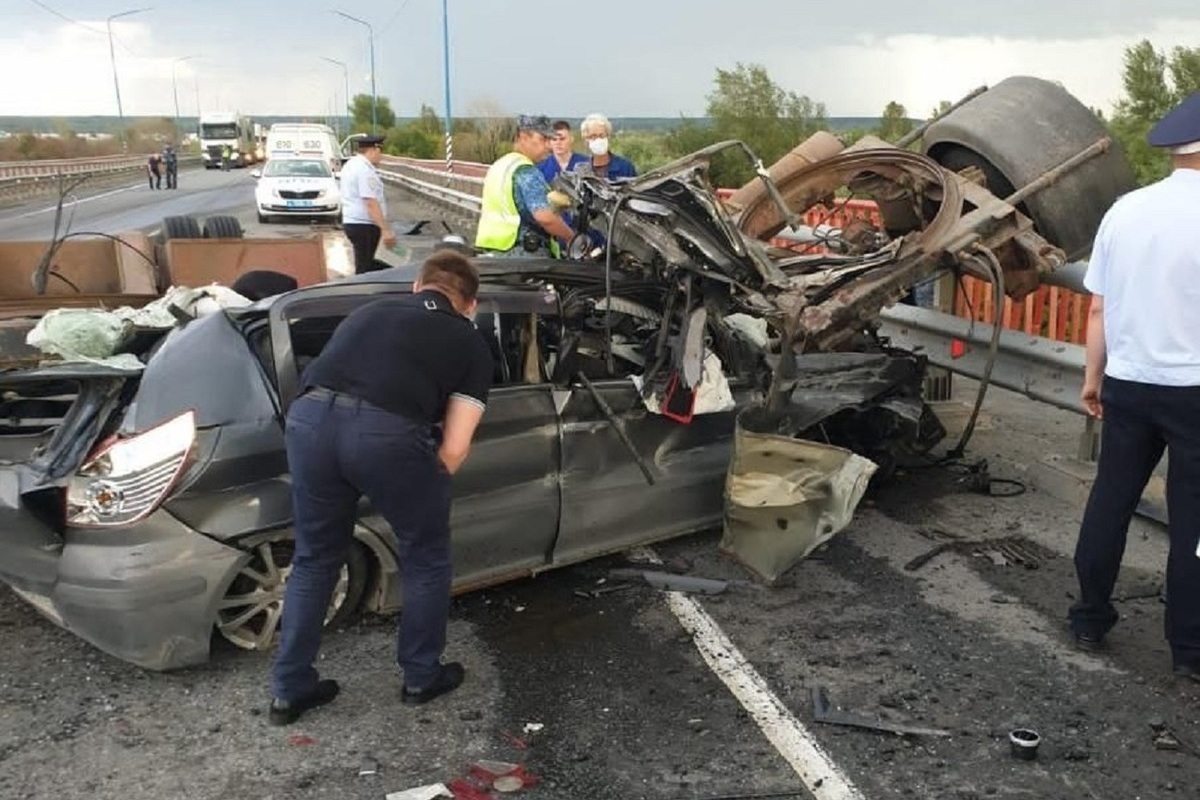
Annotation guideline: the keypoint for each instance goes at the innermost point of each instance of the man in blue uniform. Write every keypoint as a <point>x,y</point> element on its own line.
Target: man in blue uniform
<point>383,414</point>
<point>563,157</point>
<point>1142,377</point>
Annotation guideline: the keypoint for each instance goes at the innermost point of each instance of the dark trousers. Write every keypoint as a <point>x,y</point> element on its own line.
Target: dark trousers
<point>340,449</point>
<point>172,178</point>
<point>364,238</point>
<point>155,179</point>
<point>1140,420</point>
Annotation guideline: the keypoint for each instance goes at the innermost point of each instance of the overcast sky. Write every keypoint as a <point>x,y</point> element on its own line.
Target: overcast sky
<point>636,58</point>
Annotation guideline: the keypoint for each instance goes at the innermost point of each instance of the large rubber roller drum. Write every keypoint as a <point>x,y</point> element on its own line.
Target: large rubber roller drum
<point>1018,130</point>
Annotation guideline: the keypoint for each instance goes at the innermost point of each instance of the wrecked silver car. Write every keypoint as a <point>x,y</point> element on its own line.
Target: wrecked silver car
<point>676,372</point>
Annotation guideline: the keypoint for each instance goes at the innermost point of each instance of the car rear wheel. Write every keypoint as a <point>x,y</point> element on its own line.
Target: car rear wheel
<point>249,614</point>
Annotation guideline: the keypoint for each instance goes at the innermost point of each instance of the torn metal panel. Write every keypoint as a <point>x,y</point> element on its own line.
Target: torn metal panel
<point>784,497</point>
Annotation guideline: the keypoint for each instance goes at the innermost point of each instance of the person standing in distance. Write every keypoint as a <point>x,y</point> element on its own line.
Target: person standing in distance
<point>154,170</point>
<point>385,414</point>
<point>171,162</point>
<point>364,204</point>
<point>1142,376</point>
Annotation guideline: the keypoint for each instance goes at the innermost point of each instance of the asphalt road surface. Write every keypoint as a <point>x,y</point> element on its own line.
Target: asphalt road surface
<point>639,694</point>
<point>134,206</point>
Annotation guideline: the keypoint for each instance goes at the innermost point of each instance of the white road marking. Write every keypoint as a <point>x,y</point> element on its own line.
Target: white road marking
<point>76,202</point>
<point>788,734</point>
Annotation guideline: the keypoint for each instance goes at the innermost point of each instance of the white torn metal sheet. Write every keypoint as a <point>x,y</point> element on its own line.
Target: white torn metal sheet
<point>429,792</point>
<point>785,497</point>
<point>713,394</point>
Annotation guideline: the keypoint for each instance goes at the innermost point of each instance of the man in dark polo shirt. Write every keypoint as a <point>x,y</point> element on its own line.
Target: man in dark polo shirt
<point>388,410</point>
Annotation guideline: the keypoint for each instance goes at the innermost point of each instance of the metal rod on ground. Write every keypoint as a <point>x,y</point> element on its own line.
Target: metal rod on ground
<point>618,425</point>
<point>919,131</point>
<point>1054,174</point>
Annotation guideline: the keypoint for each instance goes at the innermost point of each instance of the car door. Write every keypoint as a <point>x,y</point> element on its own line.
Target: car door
<point>504,515</point>
<point>608,502</point>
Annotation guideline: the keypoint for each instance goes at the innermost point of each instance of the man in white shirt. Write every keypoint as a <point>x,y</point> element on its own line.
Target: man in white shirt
<point>364,205</point>
<point>1143,378</point>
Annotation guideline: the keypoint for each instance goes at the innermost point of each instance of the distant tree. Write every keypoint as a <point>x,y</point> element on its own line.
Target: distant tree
<point>942,107</point>
<point>747,105</point>
<point>690,136</point>
<point>360,113</point>
<point>492,134</point>
<point>429,122</point>
<point>410,140</point>
<point>894,123</point>
<point>1154,83</point>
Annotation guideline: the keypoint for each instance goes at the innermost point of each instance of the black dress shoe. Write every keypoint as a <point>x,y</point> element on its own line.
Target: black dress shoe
<point>1185,670</point>
<point>1089,642</point>
<point>285,713</point>
<point>449,678</point>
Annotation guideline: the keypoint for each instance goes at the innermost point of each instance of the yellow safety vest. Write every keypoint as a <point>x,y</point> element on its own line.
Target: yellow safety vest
<point>499,220</point>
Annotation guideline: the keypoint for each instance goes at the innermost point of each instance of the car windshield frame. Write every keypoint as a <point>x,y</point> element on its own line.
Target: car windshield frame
<point>297,168</point>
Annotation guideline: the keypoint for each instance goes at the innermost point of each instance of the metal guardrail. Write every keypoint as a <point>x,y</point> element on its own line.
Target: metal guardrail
<point>69,166</point>
<point>464,169</point>
<point>1036,367</point>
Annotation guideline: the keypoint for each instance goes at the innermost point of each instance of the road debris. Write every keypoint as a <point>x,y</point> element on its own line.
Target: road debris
<point>368,766</point>
<point>1002,552</point>
<point>823,712</point>
<point>1024,743</point>
<point>421,793</point>
<point>672,582</point>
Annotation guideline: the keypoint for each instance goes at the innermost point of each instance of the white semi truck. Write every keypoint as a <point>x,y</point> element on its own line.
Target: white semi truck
<point>221,129</point>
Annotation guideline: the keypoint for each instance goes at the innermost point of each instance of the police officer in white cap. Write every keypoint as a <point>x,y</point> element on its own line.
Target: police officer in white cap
<point>1143,379</point>
<point>364,204</point>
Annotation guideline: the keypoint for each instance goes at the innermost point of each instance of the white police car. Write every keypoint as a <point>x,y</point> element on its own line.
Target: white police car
<point>297,187</point>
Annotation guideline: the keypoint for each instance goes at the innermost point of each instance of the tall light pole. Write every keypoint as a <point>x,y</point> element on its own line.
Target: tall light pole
<point>175,86</point>
<point>346,79</point>
<point>371,39</point>
<point>112,55</point>
<point>446,76</point>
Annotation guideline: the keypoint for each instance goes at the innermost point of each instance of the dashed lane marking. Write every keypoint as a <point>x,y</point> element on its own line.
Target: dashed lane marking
<point>822,777</point>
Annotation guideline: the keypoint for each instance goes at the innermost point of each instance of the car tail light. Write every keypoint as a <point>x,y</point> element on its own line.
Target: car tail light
<point>127,479</point>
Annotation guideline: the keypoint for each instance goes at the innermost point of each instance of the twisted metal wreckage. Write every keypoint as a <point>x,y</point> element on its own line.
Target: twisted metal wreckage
<point>687,277</point>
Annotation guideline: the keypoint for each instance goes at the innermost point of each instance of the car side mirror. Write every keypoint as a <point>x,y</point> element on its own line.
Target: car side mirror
<point>257,173</point>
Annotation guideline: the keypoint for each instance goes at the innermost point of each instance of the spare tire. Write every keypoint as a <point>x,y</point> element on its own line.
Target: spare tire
<point>181,228</point>
<point>223,226</point>
<point>1017,131</point>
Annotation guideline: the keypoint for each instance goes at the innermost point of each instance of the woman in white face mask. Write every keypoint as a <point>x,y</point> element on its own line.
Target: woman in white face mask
<point>596,131</point>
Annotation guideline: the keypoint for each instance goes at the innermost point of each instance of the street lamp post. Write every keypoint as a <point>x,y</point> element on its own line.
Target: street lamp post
<point>371,40</point>
<point>175,86</point>
<point>346,79</point>
<point>112,55</point>
<point>446,81</point>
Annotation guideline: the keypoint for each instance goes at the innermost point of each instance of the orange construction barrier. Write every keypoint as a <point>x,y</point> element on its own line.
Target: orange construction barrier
<point>1049,312</point>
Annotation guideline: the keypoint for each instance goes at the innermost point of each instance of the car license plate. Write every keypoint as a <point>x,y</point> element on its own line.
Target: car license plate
<point>299,203</point>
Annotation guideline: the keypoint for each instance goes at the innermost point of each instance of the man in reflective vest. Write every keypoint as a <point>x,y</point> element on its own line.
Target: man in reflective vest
<point>516,216</point>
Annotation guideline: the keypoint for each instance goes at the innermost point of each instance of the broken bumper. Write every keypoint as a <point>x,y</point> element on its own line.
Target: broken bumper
<point>145,594</point>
